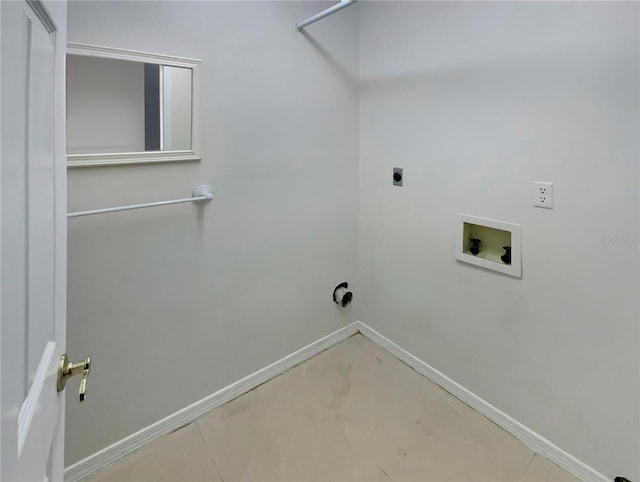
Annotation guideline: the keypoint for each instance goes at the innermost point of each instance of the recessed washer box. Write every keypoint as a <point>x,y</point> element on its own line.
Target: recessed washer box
<point>490,237</point>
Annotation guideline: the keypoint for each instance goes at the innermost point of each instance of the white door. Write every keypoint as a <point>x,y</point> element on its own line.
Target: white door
<point>32,238</point>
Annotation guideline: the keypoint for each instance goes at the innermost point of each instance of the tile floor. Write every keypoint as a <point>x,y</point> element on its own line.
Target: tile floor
<point>353,412</point>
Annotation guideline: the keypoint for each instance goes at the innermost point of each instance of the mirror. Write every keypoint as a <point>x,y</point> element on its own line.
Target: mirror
<point>127,107</point>
<point>123,106</point>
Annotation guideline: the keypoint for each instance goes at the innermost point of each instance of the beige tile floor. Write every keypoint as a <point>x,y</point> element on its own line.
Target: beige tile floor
<point>353,412</point>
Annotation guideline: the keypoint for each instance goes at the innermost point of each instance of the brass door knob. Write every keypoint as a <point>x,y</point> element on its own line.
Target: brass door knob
<point>66,370</point>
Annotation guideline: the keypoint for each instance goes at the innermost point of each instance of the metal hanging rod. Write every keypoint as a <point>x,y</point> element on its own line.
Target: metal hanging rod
<point>201,195</point>
<point>325,13</point>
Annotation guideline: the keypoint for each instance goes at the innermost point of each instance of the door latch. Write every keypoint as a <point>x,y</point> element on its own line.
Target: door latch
<point>66,370</point>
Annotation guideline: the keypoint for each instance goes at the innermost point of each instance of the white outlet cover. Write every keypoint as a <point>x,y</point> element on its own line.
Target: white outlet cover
<point>543,195</point>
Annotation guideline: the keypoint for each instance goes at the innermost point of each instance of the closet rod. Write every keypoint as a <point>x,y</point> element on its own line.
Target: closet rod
<point>201,194</point>
<point>325,13</point>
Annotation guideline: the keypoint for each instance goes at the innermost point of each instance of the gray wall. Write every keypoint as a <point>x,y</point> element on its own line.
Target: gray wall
<point>476,101</point>
<point>175,303</point>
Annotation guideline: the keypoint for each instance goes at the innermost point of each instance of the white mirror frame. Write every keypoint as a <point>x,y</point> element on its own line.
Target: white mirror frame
<point>119,158</point>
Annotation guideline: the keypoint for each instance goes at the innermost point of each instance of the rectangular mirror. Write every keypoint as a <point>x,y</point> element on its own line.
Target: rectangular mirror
<point>126,107</point>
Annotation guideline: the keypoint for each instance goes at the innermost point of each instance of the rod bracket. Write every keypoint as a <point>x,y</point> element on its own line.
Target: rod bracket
<point>203,190</point>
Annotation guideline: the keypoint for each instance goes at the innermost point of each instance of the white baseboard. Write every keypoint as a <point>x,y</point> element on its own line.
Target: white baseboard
<point>534,441</point>
<point>187,415</point>
<point>531,439</point>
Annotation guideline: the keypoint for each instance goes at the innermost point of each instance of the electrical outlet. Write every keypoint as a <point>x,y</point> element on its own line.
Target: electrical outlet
<point>543,195</point>
<point>397,176</point>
